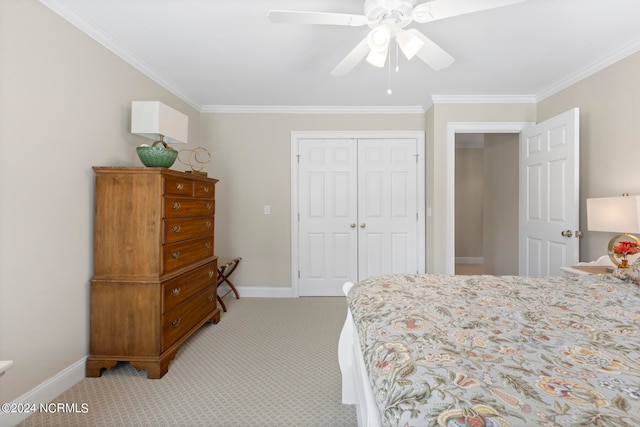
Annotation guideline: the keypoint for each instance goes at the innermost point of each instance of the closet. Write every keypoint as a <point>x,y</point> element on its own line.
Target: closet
<point>358,210</point>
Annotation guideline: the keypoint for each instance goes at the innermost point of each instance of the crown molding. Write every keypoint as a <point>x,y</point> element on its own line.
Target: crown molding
<point>93,31</point>
<point>590,70</point>
<point>483,99</point>
<point>276,109</point>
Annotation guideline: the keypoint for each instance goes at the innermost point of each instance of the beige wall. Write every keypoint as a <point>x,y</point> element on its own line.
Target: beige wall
<point>252,160</point>
<point>64,106</point>
<point>469,202</point>
<point>500,244</point>
<point>609,103</point>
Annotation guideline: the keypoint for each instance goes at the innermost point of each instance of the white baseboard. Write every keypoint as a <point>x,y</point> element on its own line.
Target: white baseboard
<point>265,292</point>
<point>46,391</point>
<point>469,260</point>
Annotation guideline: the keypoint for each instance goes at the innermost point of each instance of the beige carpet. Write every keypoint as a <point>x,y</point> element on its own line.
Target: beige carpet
<point>269,362</point>
<point>469,269</point>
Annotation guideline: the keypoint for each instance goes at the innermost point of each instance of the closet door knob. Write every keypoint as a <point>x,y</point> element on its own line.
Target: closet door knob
<point>363,225</point>
<point>353,225</point>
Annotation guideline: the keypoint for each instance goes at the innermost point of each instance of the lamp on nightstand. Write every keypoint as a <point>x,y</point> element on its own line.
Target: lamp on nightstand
<point>616,215</point>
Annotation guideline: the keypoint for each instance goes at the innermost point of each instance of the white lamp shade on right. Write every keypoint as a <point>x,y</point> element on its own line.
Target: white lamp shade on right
<point>614,214</point>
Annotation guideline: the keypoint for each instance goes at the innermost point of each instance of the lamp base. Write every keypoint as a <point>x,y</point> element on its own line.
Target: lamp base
<point>622,263</point>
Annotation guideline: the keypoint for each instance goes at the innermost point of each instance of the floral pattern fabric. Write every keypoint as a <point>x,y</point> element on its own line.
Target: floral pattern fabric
<point>501,351</point>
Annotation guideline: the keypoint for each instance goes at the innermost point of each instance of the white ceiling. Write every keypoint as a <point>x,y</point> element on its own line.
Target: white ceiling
<point>224,55</point>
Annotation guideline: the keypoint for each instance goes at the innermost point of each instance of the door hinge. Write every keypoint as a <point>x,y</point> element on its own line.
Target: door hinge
<point>298,274</point>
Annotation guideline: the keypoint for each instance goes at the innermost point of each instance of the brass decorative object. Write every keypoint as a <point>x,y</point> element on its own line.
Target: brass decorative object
<point>198,158</point>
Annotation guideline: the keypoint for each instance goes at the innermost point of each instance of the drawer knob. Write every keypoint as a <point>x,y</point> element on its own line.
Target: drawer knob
<point>179,186</point>
<point>208,205</point>
<point>175,254</point>
<point>210,297</point>
<point>207,245</point>
<point>207,224</point>
<point>175,323</point>
<point>210,273</point>
<point>205,189</point>
<point>176,206</point>
<point>175,292</point>
<point>175,228</point>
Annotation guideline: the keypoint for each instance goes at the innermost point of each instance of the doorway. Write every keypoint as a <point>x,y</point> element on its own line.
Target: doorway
<point>486,203</point>
<point>454,128</point>
<point>548,191</point>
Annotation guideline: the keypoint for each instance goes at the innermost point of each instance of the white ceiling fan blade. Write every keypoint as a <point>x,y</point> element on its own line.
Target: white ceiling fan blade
<point>352,59</point>
<point>320,18</point>
<point>440,9</point>
<point>432,54</point>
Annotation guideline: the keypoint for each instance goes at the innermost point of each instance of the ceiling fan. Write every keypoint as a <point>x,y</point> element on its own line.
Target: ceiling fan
<point>387,20</point>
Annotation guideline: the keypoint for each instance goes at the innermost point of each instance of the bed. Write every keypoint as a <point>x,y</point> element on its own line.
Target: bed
<point>441,350</point>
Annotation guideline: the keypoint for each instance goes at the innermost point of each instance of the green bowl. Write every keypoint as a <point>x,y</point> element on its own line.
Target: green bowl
<point>157,157</point>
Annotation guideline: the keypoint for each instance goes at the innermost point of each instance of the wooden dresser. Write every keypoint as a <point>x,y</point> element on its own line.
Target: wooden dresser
<point>154,281</point>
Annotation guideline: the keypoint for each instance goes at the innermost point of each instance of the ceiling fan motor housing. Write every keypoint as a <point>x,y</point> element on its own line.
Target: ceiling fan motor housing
<point>397,14</point>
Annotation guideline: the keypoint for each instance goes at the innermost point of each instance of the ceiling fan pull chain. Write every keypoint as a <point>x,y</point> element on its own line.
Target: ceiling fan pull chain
<point>397,57</point>
<point>389,91</point>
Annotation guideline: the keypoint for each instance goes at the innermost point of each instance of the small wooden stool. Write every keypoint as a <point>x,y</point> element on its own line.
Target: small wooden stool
<point>225,268</point>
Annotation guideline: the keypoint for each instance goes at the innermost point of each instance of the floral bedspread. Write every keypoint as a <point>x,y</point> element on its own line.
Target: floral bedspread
<point>499,351</point>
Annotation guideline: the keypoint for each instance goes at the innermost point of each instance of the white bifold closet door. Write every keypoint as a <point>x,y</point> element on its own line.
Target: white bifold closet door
<point>358,213</point>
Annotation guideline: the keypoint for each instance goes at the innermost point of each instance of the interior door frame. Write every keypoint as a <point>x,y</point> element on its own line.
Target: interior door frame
<point>450,208</point>
<point>421,194</point>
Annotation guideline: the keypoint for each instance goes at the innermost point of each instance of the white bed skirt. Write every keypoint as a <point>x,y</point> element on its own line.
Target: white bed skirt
<point>355,384</point>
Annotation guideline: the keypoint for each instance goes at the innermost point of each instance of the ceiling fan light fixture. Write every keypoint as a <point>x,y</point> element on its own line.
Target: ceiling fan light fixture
<point>377,59</point>
<point>390,4</point>
<point>378,38</point>
<point>422,13</point>
<point>410,44</point>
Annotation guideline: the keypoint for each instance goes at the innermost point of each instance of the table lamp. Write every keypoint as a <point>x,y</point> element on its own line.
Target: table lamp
<point>161,123</point>
<point>619,215</point>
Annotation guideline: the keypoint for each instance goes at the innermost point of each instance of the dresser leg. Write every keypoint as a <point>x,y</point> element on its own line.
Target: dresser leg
<point>155,370</point>
<point>216,316</point>
<point>94,367</point>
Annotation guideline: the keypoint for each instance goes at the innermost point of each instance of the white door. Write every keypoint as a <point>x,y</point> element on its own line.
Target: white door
<point>327,215</point>
<point>549,191</point>
<point>357,213</point>
<point>387,207</point>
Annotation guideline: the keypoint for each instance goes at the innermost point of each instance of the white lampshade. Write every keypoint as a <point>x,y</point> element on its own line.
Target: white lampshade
<point>377,59</point>
<point>614,214</point>
<point>152,119</point>
<point>378,38</point>
<point>409,43</point>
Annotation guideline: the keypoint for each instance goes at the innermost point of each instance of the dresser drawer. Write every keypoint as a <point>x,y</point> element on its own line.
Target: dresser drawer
<point>204,190</point>
<point>177,229</point>
<point>181,207</point>
<point>178,290</point>
<point>184,317</point>
<point>182,254</point>
<point>178,186</point>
